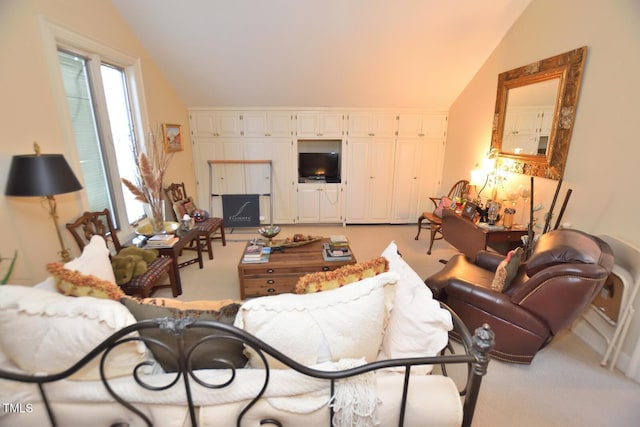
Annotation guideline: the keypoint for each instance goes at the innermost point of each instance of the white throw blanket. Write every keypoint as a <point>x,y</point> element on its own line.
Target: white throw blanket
<point>355,402</point>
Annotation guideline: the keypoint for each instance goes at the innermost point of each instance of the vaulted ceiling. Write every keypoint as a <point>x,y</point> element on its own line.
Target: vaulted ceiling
<point>320,53</point>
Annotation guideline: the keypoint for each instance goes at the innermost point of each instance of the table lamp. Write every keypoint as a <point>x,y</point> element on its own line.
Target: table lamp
<point>43,175</point>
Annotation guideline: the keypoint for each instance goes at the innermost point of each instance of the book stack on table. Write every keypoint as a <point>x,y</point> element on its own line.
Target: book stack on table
<point>161,241</point>
<point>337,249</point>
<point>255,253</point>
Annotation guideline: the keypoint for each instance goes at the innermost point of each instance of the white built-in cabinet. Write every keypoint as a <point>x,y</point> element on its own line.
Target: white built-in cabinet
<point>319,124</point>
<point>319,203</point>
<point>391,162</point>
<point>246,136</point>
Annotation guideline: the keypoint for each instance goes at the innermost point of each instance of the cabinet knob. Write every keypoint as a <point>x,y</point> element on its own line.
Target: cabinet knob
<point>271,281</point>
<point>372,134</point>
<point>269,270</point>
<point>267,134</point>
<point>271,290</point>
<point>325,268</point>
<point>319,134</point>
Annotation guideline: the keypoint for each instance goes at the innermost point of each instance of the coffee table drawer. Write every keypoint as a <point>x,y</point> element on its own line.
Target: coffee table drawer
<point>263,286</point>
<point>299,270</point>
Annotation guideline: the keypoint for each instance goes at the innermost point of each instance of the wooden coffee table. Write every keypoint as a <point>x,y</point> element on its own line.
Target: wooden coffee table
<point>281,273</point>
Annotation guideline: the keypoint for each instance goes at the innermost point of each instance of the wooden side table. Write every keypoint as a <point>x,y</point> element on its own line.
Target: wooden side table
<point>174,252</point>
<point>469,238</point>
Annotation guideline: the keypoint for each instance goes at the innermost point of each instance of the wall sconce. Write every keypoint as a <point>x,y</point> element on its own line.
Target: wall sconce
<point>42,175</point>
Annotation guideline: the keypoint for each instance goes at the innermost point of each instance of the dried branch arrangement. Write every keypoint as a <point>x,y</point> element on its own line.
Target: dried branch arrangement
<point>152,162</point>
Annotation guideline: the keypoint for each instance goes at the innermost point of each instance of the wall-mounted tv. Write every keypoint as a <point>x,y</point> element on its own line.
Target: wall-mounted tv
<point>319,166</point>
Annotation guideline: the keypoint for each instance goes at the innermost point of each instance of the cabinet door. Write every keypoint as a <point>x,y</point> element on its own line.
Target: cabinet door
<point>381,156</point>
<point>313,124</point>
<point>228,123</point>
<point>308,203</point>
<point>284,178</point>
<point>254,123</point>
<point>318,203</point>
<point>203,124</point>
<point>434,125</point>
<point>330,203</point>
<point>417,170</point>
<point>369,180</point>
<point>372,124</point>
<point>357,184</point>
<point>209,124</point>
<point>427,125</point>
<point>410,125</point>
<point>267,123</point>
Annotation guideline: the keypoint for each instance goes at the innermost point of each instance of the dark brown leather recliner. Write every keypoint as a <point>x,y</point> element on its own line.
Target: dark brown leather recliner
<point>565,271</point>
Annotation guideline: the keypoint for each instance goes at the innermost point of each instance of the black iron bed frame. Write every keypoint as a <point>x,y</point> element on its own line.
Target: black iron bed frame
<point>475,356</point>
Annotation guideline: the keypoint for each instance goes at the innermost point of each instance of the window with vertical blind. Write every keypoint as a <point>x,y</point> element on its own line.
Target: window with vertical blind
<point>100,110</point>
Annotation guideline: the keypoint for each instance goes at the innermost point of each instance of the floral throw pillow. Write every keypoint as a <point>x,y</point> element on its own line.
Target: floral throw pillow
<point>327,280</point>
<point>74,283</point>
<point>507,270</point>
<point>445,203</point>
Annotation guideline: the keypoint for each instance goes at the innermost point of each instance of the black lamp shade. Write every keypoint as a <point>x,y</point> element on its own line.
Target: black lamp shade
<point>40,175</point>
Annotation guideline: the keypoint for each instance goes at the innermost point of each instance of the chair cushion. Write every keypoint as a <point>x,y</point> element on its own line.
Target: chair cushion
<point>182,207</point>
<point>154,270</point>
<point>209,224</point>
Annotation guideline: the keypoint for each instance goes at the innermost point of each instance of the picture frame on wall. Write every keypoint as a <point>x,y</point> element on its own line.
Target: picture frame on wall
<point>172,135</point>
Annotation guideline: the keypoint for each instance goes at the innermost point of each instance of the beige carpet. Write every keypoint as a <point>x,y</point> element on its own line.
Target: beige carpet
<point>565,386</point>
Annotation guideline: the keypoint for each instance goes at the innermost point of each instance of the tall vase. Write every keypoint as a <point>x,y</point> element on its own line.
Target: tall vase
<point>155,214</point>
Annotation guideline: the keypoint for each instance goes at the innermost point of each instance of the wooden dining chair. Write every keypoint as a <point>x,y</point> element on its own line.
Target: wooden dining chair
<point>434,218</point>
<point>100,223</point>
<point>209,229</point>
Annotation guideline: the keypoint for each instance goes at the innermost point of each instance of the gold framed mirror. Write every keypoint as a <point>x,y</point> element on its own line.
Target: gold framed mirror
<point>534,115</point>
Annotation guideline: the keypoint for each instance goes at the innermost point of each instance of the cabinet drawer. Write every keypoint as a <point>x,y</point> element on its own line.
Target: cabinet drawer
<point>513,236</point>
<point>260,271</point>
<point>269,286</point>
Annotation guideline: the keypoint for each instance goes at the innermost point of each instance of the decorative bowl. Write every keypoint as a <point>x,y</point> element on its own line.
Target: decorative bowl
<point>146,230</point>
<point>269,232</point>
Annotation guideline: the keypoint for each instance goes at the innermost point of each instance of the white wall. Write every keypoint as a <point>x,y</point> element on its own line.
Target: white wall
<point>604,151</point>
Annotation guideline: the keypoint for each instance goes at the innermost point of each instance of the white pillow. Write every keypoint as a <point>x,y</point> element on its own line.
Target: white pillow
<point>418,326</point>
<point>46,332</point>
<point>326,326</point>
<point>94,260</point>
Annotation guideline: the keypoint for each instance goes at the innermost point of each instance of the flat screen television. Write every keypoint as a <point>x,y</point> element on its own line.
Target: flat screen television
<point>319,166</point>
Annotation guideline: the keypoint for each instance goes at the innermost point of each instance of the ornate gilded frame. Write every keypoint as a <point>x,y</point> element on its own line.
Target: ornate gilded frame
<point>568,67</point>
